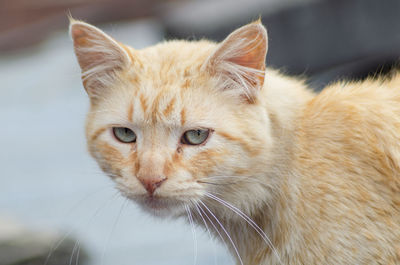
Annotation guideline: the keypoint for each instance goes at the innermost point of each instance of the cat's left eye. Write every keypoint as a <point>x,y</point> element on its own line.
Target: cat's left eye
<point>195,137</point>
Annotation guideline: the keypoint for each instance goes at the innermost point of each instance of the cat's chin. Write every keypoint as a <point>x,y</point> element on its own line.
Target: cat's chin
<point>160,206</point>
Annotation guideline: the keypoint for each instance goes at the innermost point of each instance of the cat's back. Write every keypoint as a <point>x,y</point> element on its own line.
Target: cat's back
<point>356,118</point>
<point>347,154</point>
<point>356,128</point>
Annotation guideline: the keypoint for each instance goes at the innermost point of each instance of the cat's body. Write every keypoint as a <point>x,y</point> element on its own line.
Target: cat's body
<point>319,174</point>
<point>341,201</point>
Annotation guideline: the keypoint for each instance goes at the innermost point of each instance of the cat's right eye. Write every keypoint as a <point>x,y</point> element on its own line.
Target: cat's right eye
<point>124,135</point>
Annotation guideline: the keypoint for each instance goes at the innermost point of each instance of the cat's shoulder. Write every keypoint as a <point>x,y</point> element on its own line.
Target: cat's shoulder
<point>354,114</point>
<point>355,117</point>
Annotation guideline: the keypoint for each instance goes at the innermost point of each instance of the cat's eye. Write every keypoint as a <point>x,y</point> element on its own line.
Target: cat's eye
<point>195,137</point>
<point>124,135</point>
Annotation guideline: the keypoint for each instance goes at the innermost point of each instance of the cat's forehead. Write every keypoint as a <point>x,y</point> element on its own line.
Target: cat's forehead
<point>174,104</point>
<point>175,57</point>
<point>179,103</point>
<point>166,85</point>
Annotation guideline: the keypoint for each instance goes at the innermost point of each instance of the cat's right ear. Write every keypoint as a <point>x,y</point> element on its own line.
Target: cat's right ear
<point>99,57</point>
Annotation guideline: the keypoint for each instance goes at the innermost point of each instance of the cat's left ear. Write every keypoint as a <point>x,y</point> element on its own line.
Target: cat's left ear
<point>239,61</point>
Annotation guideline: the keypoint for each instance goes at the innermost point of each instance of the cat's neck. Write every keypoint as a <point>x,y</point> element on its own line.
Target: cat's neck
<point>284,98</point>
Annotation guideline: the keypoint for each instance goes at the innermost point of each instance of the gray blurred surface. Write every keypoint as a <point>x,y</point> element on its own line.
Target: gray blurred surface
<point>47,179</point>
<point>20,245</point>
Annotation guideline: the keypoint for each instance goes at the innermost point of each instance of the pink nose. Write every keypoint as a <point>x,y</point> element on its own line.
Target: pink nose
<point>151,183</point>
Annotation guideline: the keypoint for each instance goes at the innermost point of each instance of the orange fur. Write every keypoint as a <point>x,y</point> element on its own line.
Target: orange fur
<point>318,174</point>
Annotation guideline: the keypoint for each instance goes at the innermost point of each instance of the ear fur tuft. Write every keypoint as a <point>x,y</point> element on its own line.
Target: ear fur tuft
<point>240,60</point>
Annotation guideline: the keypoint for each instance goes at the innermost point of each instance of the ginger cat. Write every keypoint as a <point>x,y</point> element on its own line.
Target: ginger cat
<point>280,174</point>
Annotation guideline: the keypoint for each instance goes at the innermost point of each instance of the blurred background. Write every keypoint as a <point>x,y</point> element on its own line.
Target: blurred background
<point>53,197</point>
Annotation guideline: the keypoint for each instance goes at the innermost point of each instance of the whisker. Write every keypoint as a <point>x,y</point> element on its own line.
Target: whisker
<point>226,232</point>
<point>213,225</point>
<point>77,256</point>
<point>193,232</point>
<point>204,221</point>
<point>76,247</point>
<point>113,229</point>
<point>249,221</point>
<point>230,180</point>
<point>196,205</point>
<point>95,213</point>
<point>211,183</point>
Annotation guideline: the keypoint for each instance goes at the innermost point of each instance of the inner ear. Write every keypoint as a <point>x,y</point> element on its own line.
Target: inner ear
<point>246,47</point>
<point>240,60</point>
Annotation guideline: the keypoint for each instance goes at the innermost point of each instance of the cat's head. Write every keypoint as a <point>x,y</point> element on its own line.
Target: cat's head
<point>178,121</point>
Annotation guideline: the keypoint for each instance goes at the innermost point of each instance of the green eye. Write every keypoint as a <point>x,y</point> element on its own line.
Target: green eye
<point>195,137</point>
<point>124,135</point>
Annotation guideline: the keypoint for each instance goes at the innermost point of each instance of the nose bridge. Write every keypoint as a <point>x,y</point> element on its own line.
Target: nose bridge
<point>150,172</point>
<point>151,158</point>
<point>151,164</point>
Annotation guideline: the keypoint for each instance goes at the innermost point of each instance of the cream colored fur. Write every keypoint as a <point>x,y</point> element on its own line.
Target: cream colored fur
<point>317,177</point>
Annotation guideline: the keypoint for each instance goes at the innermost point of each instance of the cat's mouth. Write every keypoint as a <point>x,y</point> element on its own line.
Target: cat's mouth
<point>161,206</point>
<point>158,205</point>
<point>156,202</point>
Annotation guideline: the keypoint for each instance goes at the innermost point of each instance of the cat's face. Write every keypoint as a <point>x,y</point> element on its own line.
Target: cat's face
<point>176,122</point>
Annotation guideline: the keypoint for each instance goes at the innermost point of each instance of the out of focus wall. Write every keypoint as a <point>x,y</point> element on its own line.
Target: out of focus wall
<point>322,39</point>
<point>27,22</point>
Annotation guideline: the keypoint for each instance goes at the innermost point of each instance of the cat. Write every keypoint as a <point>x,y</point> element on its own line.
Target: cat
<point>279,173</point>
